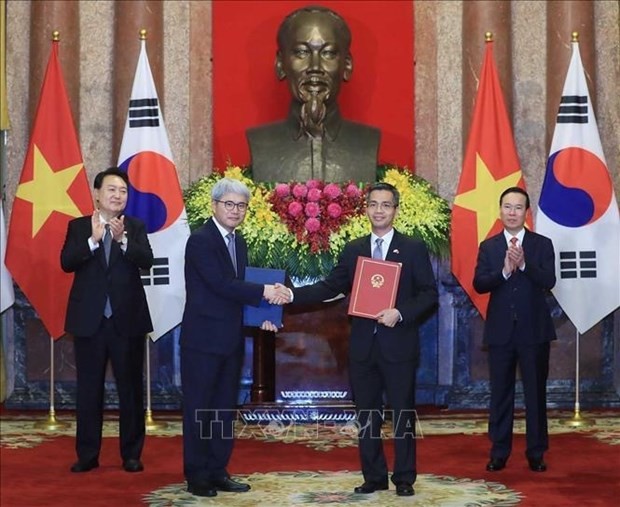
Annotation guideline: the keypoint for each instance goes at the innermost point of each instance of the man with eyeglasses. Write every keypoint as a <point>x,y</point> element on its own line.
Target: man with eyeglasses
<point>212,339</point>
<point>517,267</point>
<point>383,352</point>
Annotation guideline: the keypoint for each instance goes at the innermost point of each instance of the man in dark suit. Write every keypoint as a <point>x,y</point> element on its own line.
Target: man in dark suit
<point>517,267</point>
<point>212,339</point>
<point>315,141</point>
<point>383,352</point>
<point>108,317</point>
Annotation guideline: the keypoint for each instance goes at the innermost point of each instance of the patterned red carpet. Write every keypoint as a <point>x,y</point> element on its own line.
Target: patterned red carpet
<point>316,465</point>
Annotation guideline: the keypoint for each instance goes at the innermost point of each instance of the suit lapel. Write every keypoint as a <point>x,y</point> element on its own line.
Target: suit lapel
<point>395,253</point>
<point>215,233</point>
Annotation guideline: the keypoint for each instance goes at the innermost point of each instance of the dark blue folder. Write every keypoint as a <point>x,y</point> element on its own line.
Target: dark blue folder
<point>254,316</point>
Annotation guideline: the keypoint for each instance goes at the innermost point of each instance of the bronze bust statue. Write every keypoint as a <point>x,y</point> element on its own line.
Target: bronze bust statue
<point>314,142</point>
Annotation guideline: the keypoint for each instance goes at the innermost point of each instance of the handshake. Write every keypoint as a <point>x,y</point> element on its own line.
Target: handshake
<point>277,294</point>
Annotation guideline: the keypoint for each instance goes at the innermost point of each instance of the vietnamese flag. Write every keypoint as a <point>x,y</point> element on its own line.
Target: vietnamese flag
<point>52,190</point>
<point>491,165</point>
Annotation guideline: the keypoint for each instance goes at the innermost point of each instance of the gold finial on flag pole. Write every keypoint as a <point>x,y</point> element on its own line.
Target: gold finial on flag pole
<point>55,36</point>
<point>143,34</point>
<point>574,37</point>
<point>488,36</point>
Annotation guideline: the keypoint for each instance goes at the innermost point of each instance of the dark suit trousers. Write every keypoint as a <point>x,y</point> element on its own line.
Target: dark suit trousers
<point>533,361</point>
<point>210,386</point>
<point>369,379</point>
<point>127,357</point>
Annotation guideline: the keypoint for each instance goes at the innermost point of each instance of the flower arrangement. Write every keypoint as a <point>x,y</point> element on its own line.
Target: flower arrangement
<point>303,227</point>
<point>313,211</point>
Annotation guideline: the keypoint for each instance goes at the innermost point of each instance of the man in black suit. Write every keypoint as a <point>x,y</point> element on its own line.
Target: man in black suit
<point>383,352</point>
<point>108,317</point>
<point>314,141</point>
<point>517,267</point>
<point>212,339</point>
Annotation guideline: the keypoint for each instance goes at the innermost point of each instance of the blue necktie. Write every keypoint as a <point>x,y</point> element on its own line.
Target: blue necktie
<point>107,247</point>
<point>230,243</point>
<point>377,253</point>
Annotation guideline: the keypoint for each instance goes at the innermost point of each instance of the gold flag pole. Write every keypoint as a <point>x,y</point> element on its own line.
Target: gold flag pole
<point>577,421</point>
<point>481,423</point>
<point>150,424</point>
<point>51,423</point>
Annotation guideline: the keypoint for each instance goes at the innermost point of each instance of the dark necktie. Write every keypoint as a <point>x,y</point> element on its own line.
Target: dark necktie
<point>107,243</point>
<point>107,247</point>
<point>377,253</point>
<point>230,242</point>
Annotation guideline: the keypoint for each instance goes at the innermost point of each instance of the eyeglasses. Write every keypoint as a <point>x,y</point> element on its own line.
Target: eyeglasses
<point>231,205</point>
<point>385,206</point>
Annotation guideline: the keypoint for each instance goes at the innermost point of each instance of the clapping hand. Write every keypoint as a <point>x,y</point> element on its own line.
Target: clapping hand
<point>513,259</point>
<point>97,227</point>
<point>117,227</point>
<point>515,252</point>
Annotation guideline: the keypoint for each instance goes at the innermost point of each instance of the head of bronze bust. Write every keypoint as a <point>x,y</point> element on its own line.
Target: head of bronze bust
<point>314,56</point>
<point>314,141</point>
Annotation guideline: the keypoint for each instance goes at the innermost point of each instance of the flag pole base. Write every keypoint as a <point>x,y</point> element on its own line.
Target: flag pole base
<point>151,424</point>
<point>51,423</point>
<point>577,421</point>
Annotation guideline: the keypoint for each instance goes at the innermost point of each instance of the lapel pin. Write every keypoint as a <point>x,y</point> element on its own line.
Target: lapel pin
<point>395,251</point>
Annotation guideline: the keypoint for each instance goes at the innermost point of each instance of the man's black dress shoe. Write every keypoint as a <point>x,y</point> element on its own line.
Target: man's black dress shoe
<point>371,487</point>
<point>201,489</point>
<point>537,465</point>
<point>404,489</point>
<point>227,484</point>
<point>133,465</point>
<point>496,464</point>
<point>79,467</point>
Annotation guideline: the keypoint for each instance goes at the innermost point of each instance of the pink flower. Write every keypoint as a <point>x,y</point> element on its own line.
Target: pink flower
<point>295,209</point>
<point>313,184</point>
<point>332,190</point>
<point>313,225</point>
<point>300,191</point>
<point>282,190</point>
<point>312,209</point>
<point>352,190</point>
<point>314,194</point>
<point>334,210</point>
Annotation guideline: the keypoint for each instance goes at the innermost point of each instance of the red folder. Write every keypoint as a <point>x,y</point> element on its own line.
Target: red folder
<point>374,287</point>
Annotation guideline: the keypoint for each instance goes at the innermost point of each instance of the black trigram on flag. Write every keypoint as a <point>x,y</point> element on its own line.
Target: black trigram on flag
<point>573,109</point>
<point>578,264</point>
<point>143,113</point>
<point>159,274</point>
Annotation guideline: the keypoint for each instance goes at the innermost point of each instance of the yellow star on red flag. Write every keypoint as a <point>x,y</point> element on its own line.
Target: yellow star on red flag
<point>53,190</point>
<point>477,199</point>
<point>48,191</point>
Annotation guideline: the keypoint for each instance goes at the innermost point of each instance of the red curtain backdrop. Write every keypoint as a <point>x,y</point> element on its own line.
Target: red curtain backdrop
<point>246,92</point>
